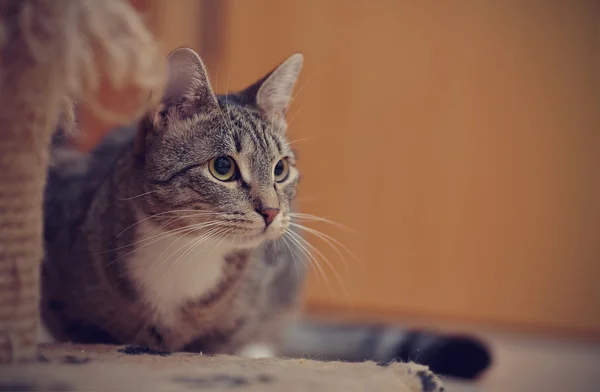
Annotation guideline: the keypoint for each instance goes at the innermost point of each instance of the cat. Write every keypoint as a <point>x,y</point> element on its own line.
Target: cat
<point>171,235</point>
<point>113,274</point>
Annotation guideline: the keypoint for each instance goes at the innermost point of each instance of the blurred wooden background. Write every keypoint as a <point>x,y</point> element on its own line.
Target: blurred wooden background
<point>461,140</point>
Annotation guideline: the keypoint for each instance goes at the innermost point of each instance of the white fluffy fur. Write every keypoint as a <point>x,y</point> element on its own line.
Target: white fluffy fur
<point>174,269</point>
<point>257,351</point>
<point>43,334</point>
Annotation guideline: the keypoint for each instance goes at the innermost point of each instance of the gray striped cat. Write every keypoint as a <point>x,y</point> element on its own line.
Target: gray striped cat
<point>169,236</point>
<point>177,236</point>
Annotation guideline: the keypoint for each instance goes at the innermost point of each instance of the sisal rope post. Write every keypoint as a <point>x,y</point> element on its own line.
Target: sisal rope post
<point>50,50</point>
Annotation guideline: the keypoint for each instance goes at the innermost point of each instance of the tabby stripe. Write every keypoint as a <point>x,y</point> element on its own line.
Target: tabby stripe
<point>237,139</point>
<point>175,175</point>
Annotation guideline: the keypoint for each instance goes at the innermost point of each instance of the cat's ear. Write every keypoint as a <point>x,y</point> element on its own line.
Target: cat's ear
<point>186,92</point>
<point>188,87</point>
<point>273,93</point>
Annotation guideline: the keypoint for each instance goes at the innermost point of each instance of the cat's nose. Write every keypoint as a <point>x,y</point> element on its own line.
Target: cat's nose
<point>269,214</point>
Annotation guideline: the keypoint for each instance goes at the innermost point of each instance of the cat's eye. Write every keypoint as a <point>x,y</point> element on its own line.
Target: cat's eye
<point>282,170</point>
<point>222,168</point>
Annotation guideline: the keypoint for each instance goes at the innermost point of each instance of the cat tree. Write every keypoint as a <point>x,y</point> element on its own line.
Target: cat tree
<point>51,50</point>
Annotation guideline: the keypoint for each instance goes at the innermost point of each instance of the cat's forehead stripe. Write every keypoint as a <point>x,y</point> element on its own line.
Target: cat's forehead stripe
<point>257,130</point>
<point>237,140</point>
<point>251,132</point>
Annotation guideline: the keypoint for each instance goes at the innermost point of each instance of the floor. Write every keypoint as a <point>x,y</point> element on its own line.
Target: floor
<point>525,364</point>
<point>67,367</point>
<point>521,364</point>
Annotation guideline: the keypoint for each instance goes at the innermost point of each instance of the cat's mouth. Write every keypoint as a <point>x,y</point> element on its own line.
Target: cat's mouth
<point>257,238</point>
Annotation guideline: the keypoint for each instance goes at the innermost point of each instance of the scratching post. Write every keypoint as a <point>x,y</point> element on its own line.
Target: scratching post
<point>51,49</point>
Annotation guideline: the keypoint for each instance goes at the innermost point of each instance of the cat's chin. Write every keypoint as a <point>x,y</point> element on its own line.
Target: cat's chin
<point>251,242</point>
<point>256,240</point>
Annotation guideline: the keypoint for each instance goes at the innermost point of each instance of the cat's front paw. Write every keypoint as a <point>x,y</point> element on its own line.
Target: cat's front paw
<point>257,351</point>
<point>43,334</point>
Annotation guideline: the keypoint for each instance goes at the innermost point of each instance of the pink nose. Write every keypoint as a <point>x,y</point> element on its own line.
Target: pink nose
<point>269,214</point>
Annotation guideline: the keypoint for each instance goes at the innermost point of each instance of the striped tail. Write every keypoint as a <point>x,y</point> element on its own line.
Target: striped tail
<point>455,356</point>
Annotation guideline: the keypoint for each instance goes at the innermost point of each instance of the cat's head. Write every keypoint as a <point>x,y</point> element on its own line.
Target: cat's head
<point>223,163</point>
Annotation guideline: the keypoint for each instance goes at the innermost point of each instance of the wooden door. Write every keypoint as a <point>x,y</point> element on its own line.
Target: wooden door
<point>460,139</point>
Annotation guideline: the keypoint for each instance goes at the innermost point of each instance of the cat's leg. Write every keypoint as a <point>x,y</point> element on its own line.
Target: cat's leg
<point>267,343</point>
<point>258,350</point>
<point>43,334</point>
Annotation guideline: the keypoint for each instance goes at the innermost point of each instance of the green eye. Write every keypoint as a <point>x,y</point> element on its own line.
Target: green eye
<point>222,168</point>
<point>282,170</point>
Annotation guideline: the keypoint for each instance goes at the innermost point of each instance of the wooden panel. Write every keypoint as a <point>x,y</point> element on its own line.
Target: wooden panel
<point>460,139</point>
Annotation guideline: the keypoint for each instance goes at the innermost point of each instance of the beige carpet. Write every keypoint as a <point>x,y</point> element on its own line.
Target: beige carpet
<point>109,368</point>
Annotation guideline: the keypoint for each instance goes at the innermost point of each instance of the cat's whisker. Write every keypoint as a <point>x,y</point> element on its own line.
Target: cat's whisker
<point>329,240</point>
<point>312,262</point>
<point>190,246</point>
<point>196,214</point>
<point>292,252</point>
<point>272,120</point>
<point>289,123</point>
<point>137,223</point>
<point>228,119</point>
<point>157,215</point>
<point>170,221</point>
<point>299,241</point>
<point>299,91</point>
<point>173,243</point>
<point>215,236</point>
<point>164,225</point>
<point>193,227</point>
<point>227,87</point>
<point>276,245</point>
<point>156,238</point>
<point>323,237</point>
<point>324,258</point>
<point>216,90</point>
<point>332,242</point>
<point>188,230</point>
<point>175,219</point>
<point>299,140</point>
<point>226,106</point>
<point>217,79</point>
<point>224,234</point>
<point>156,263</point>
<point>310,217</point>
<point>136,196</point>
<point>159,236</point>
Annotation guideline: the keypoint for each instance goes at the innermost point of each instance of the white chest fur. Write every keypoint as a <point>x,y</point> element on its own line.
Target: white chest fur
<point>170,269</point>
